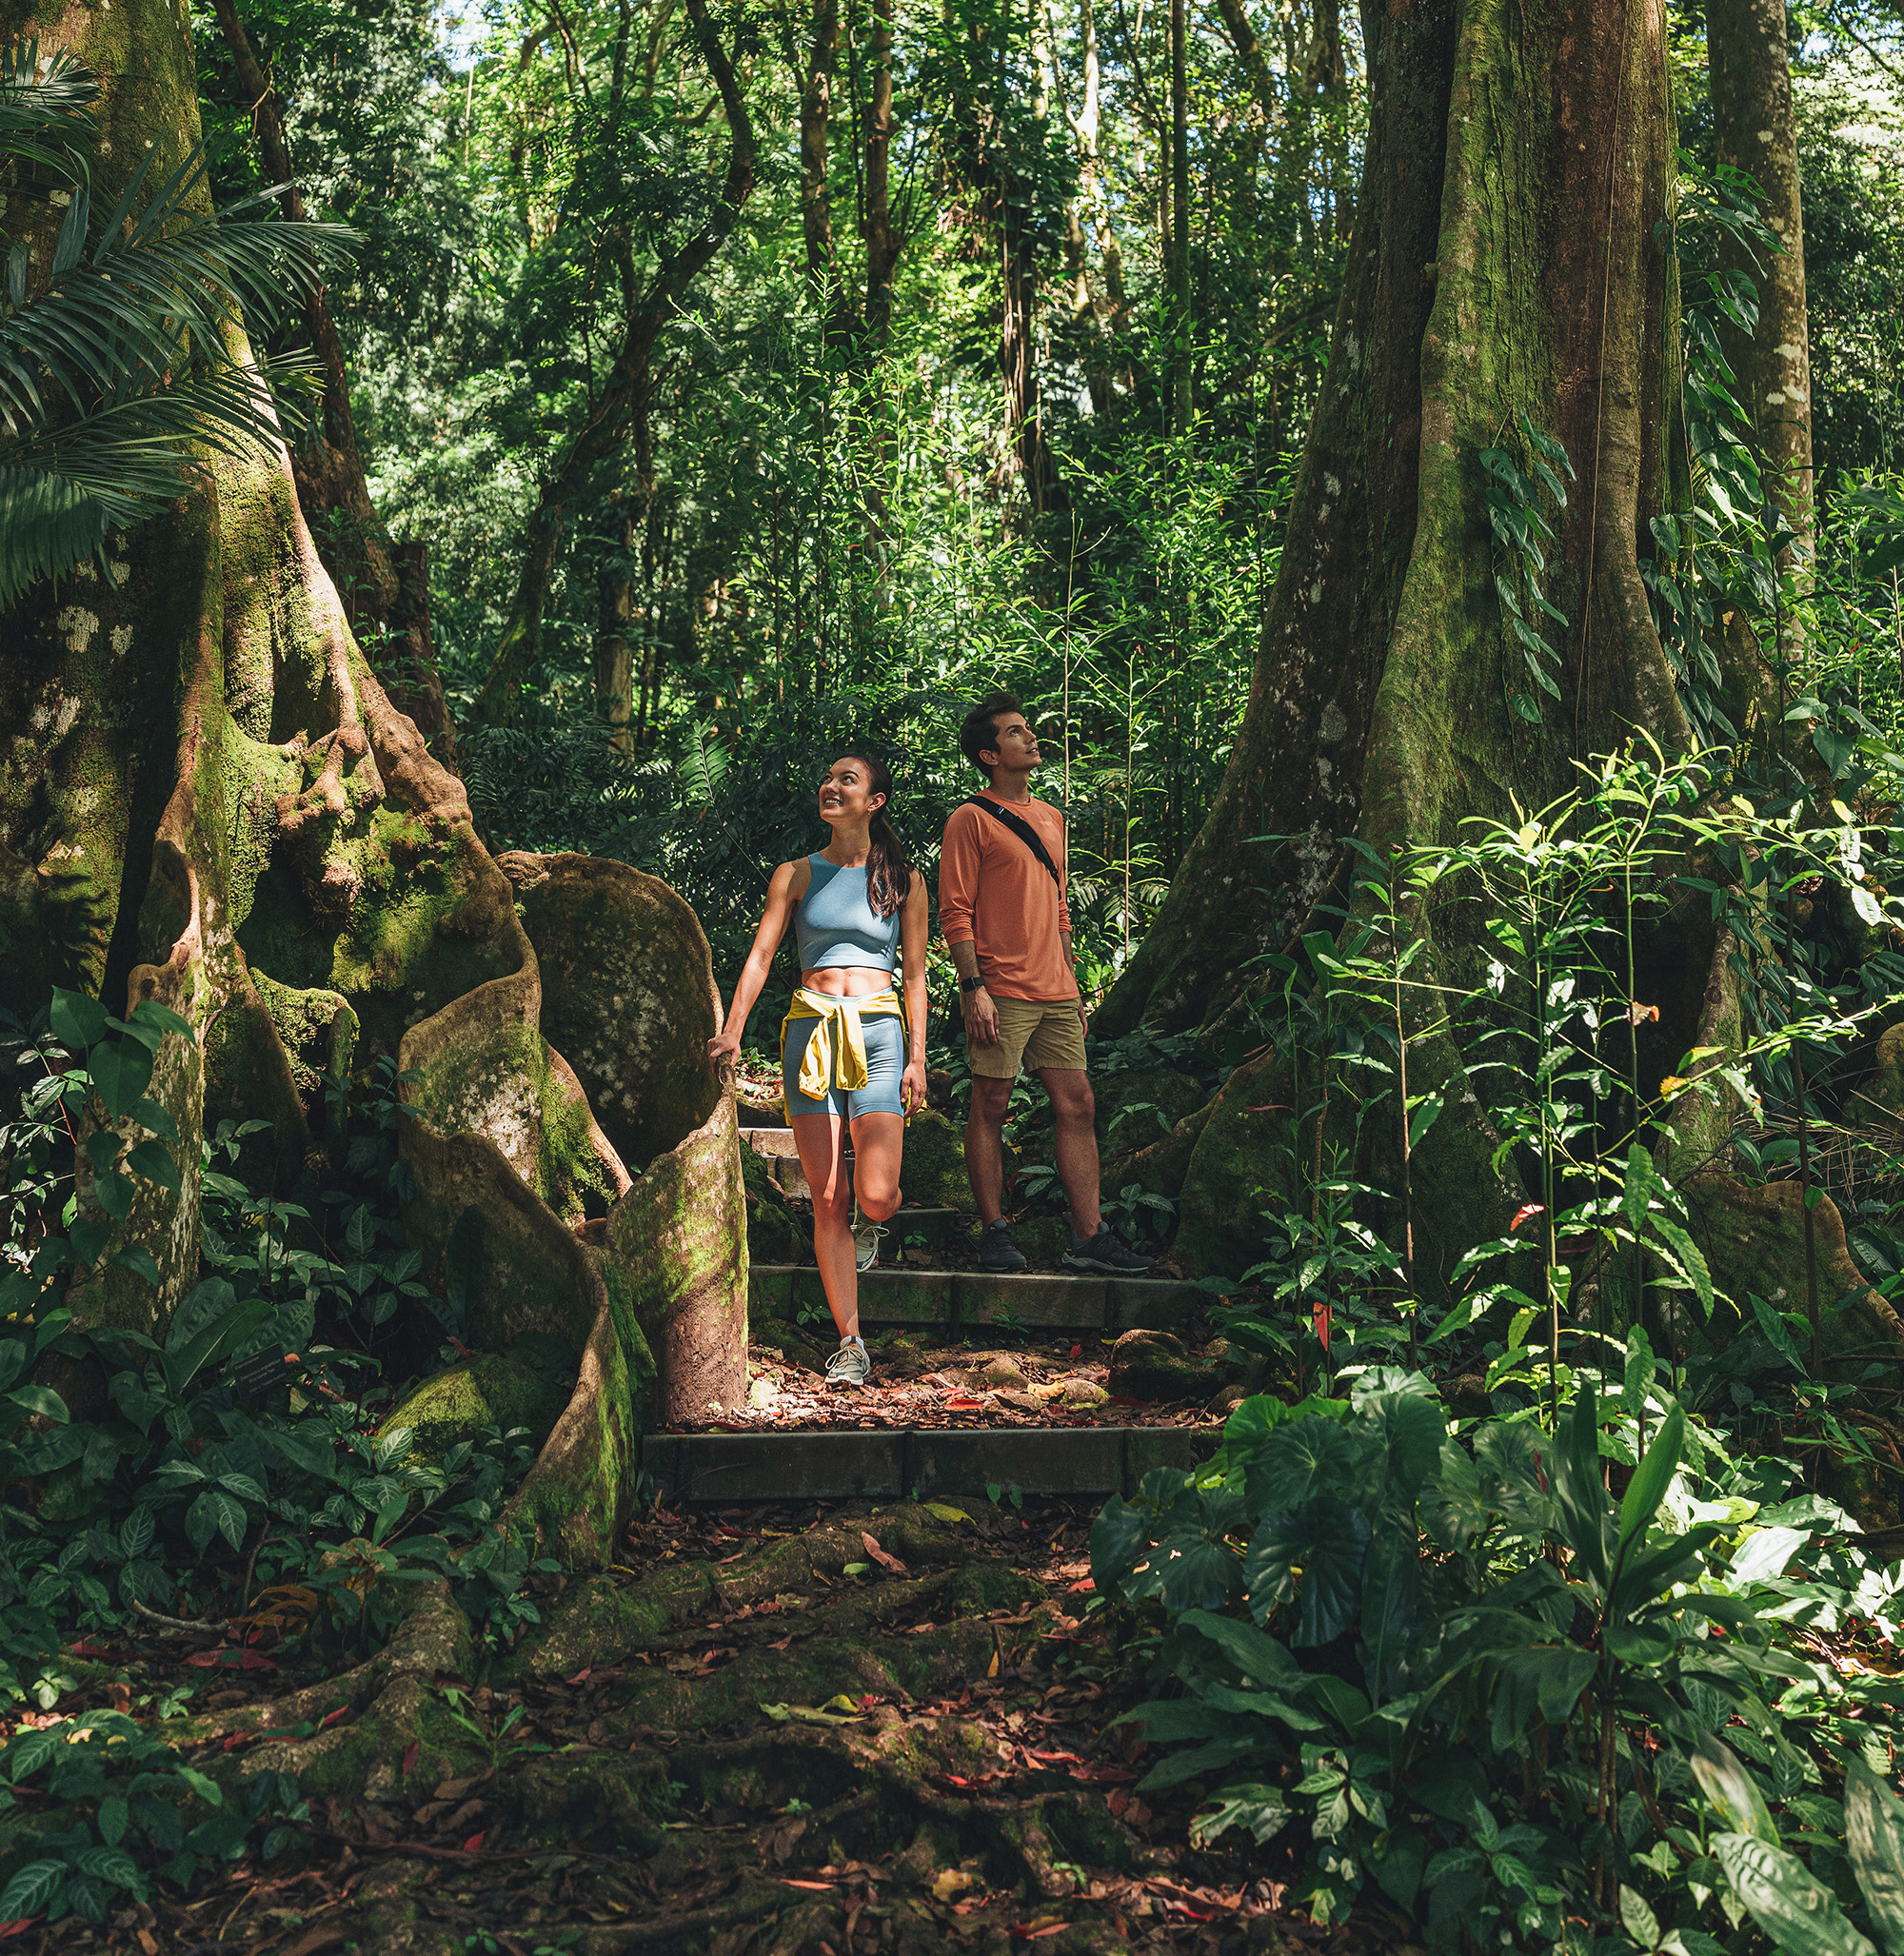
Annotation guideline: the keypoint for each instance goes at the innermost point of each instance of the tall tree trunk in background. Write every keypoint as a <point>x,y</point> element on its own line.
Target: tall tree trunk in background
<point>1753,129</point>
<point>252,835</point>
<point>619,406</point>
<point>1179,258</point>
<point>882,238</point>
<point>1474,290</point>
<point>816,194</point>
<point>380,602</point>
<point>614,640</point>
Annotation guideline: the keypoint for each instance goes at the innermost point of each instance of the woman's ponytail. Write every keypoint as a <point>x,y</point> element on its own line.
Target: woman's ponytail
<point>889,873</point>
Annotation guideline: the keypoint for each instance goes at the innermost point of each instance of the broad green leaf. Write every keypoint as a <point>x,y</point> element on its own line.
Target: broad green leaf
<point>1787,1901</point>
<point>1731,1788</point>
<point>1637,1917</point>
<point>1259,1811</point>
<point>1325,1542</point>
<point>153,1161</point>
<point>1652,1477</point>
<point>149,1012</point>
<point>1765,1552</point>
<point>1167,1720</point>
<point>77,1022</point>
<point>1255,1652</point>
<point>32,1890</point>
<point>1310,1457</point>
<point>114,1818</point>
<point>121,1074</point>
<point>1874,1835</point>
<point>1178,1767</point>
<point>42,1400</point>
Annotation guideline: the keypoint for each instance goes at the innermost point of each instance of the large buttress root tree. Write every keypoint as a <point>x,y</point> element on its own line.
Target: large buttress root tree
<point>207,799</point>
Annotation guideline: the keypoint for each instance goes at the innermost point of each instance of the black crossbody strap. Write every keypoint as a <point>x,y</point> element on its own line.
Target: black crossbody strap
<point>1023,831</point>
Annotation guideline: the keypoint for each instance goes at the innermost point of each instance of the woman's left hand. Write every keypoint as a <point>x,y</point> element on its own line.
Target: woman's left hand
<point>912,1086</point>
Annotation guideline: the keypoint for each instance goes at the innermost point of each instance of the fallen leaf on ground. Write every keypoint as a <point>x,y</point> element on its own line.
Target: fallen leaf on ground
<point>880,1555</point>
<point>949,1883</point>
<point>944,1510</point>
<point>822,1887</point>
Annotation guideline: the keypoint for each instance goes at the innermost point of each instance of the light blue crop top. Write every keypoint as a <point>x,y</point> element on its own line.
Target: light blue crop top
<point>836,922</point>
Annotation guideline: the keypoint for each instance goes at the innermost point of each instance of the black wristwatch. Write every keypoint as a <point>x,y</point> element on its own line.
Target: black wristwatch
<point>972,984</point>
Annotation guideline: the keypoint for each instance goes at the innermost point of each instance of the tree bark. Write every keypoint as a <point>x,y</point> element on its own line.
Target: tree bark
<point>816,194</point>
<point>209,801</point>
<point>621,401</point>
<point>882,239</point>
<point>1180,231</point>
<point>350,534</point>
<point>1752,130</point>
<point>1503,261</point>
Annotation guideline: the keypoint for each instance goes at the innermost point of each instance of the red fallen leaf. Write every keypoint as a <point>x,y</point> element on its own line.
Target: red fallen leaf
<point>330,1718</point>
<point>1088,1587</point>
<point>880,1555</point>
<point>474,1844</point>
<point>86,1647</point>
<point>581,1678</point>
<point>817,1888</point>
<point>867,1703</point>
<point>1526,1209</point>
<point>1105,1775</point>
<point>411,1752</point>
<point>919,1630</point>
<point>1076,1351</point>
<point>231,1660</point>
<point>964,1402</point>
<point>18,1928</point>
<point>237,1739</point>
<point>1028,1934</point>
<point>781,1645</point>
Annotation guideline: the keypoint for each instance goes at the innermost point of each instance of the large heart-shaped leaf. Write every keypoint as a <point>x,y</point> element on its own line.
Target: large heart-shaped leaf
<point>1315,1551</point>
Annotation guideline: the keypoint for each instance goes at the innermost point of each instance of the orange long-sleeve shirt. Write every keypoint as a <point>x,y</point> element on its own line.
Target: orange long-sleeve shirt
<point>995,893</point>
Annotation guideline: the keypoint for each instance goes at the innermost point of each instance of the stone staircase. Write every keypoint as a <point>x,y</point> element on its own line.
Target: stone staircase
<point>1082,1461</point>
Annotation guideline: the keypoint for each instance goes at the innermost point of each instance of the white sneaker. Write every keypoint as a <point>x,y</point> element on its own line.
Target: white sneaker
<point>849,1365</point>
<point>867,1246</point>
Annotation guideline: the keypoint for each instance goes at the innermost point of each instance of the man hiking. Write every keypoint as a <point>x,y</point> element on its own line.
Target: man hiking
<point>1002,875</point>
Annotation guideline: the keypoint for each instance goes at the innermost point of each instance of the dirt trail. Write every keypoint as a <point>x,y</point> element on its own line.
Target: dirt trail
<point>839,1731</point>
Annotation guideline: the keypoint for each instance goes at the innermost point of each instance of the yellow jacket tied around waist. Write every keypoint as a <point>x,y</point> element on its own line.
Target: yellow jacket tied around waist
<point>835,1051</point>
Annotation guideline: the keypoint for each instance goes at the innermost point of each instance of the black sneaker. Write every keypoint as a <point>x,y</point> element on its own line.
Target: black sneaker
<point>1104,1253</point>
<point>998,1254</point>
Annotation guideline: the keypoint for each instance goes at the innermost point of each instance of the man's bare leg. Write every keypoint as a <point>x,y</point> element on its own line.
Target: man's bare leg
<point>984,1150</point>
<point>1075,1108</point>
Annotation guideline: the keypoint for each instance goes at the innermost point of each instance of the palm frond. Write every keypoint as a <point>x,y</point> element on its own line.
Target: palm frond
<point>114,375</point>
<point>61,490</point>
<point>43,116</point>
<point>130,313</point>
<point>44,523</point>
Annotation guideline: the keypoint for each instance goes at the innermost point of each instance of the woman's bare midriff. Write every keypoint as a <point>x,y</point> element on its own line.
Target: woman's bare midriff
<point>847,982</point>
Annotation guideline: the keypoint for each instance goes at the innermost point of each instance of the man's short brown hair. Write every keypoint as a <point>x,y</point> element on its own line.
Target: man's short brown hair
<point>979,728</point>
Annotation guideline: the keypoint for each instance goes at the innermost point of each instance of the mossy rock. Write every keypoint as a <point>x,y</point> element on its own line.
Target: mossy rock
<point>934,1175</point>
<point>481,1391</point>
<point>1158,1366</point>
<point>1124,1099</point>
<point>773,1233</point>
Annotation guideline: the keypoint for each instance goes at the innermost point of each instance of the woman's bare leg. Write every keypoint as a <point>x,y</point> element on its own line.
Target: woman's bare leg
<point>879,1140</point>
<point>821,1138</point>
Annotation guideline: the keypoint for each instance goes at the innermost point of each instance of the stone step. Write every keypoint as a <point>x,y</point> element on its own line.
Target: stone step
<point>715,1470</point>
<point>967,1301</point>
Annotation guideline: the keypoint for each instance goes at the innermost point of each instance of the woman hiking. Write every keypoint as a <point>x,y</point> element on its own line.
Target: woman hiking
<point>852,1056</point>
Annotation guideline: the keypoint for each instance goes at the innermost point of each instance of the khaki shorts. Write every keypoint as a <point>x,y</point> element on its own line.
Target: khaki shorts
<point>1034,1032</point>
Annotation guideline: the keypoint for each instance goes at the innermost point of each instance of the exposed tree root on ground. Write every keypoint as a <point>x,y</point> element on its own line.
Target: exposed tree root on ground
<point>837,1732</point>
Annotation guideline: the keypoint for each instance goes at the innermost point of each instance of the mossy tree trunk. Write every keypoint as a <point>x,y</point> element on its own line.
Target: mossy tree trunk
<point>1504,262</point>
<point>208,798</point>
